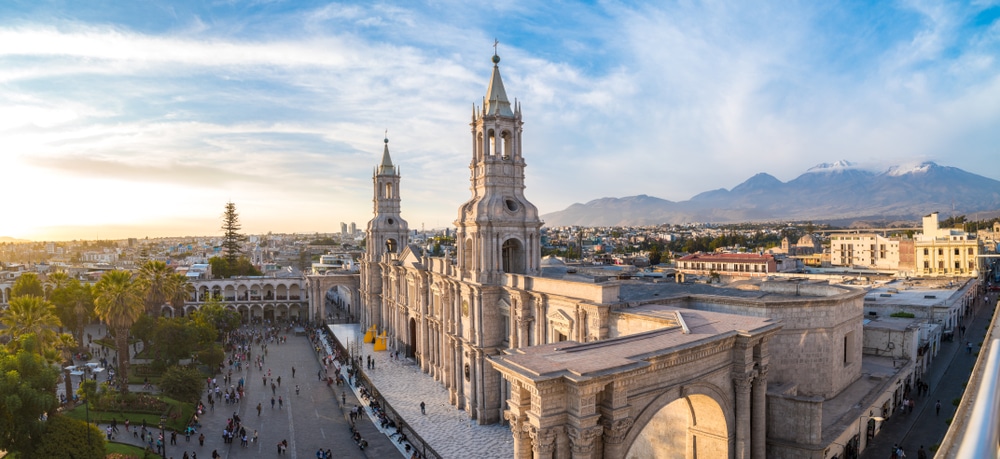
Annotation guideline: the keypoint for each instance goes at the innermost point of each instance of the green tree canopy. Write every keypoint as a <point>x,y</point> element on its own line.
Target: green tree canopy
<point>182,383</point>
<point>153,280</point>
<point>222,269</point>
<point>74,301</point>
<point>232,240</point>
<point>223,319</point>
<point>68,438</point>
<point>28,388</point>
<point>31,315</point>
<point>118,302</point>
<point>27,284</point>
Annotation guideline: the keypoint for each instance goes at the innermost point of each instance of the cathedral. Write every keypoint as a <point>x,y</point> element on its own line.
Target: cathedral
<point>580,364</point>
<point>452,313</point>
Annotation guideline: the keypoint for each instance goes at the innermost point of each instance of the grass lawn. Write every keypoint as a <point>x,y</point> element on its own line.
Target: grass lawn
<point>128,450</point>
<point>178,415</point>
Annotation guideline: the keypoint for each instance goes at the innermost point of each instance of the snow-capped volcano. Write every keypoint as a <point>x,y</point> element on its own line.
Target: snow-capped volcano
<point>840,190</point>
<point>828,167</point>
<point>922,168</point>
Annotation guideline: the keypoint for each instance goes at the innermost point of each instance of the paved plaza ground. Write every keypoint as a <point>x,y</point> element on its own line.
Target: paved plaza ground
<point>315,419</point>
<point>447,429</point>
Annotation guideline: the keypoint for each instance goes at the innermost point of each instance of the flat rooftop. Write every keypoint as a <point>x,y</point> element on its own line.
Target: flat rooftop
<point>582,361</point>
<point>916,292</point>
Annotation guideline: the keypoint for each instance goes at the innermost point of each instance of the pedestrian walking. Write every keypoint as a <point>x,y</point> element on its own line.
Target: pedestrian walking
<point>293,372</point>
<point>201,440</point>
<point>422,406</point>
<point>343,398</point>
<point>258,409</point>
<point>296,389</point>
<point>937,408</point>
<point>281,403</point>
<point>272,402</point>
<point>968,348</point>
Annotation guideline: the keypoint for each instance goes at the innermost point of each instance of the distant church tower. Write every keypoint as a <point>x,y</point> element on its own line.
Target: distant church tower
<point>386,235</point>
<point>497,229</point>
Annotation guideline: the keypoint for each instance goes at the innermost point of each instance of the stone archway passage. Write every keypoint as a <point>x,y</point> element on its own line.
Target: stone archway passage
<point>692,426</point>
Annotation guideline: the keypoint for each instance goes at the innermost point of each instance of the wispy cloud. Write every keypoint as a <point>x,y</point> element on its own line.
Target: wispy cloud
<point>267,102</point>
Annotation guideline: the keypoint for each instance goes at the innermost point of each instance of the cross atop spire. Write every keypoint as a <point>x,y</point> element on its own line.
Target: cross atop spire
<point>386,166</point>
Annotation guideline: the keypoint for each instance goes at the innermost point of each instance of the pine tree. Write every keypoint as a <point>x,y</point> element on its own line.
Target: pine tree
<point>232,243</point>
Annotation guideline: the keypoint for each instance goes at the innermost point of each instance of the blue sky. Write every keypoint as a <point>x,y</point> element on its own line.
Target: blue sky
<point>144,118</point>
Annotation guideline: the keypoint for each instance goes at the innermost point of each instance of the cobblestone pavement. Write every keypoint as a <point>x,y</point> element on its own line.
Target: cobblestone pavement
<point>446,429</point>
<point>309,420</point>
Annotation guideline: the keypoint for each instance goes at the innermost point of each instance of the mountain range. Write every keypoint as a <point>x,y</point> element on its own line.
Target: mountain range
<point>828,192</point>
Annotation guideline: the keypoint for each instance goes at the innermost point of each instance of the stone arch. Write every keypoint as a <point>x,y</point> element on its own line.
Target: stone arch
<point>244,311</point>
<point>513,256</point>
<point>391,246</point>
<point>229,293</point>
<point>166,311</point>
<point>189,309</point>
<point>693,422</point>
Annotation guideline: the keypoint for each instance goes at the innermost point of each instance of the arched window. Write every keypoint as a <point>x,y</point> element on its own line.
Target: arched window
<point>513,256</point>
<point>390,246</point>
<point>506,145</point>
<point>388,190</point>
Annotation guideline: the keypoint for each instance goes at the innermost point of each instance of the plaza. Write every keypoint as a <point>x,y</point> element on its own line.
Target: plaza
<point>316,419</point>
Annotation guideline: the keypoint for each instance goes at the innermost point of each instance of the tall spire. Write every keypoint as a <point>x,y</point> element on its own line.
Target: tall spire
<point>386,166</point>
<point>496,102</point>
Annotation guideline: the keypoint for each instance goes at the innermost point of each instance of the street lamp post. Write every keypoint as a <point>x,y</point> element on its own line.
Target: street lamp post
<point>163,434</point>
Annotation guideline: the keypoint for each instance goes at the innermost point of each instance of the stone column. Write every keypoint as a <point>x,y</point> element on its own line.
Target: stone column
<point>519,404</point>
<point>582,441</point>
<point>741,383</point>
<point>759,422</point>
<point>544,441</point>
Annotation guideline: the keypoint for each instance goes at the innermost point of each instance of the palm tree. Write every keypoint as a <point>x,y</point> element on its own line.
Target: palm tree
<point>75,304</point>
<point>118,302</point>
<point>180,290</point>
<point>153,281</point>
<point>31,314</point>
<point>55,281</point>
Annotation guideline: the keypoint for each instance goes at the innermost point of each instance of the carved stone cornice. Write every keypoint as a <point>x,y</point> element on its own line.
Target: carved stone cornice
<point>614,431</point>
<point>694,355</point>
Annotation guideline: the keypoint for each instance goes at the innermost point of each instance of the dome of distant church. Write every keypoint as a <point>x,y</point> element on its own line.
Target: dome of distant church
<point>806,240</point>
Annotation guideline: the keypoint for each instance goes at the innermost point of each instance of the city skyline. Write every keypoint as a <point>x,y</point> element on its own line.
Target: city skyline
<point>143,120</point>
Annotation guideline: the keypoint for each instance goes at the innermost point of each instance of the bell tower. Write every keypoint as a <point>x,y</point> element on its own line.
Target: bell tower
<point>386,235</point>
<point>498,228</point>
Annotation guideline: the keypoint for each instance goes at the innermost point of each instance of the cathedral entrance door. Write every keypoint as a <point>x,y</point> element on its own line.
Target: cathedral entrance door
<point>411,345</point>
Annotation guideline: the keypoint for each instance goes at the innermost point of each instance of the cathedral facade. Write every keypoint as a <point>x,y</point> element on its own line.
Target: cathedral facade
<point>451,313</point>
<point>583,365</point>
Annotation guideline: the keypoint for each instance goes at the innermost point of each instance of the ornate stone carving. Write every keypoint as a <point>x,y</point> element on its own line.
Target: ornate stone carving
<point>614,431</point>
<point>543,440</point>
<point>741,382</point>
<point>582,440</point>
